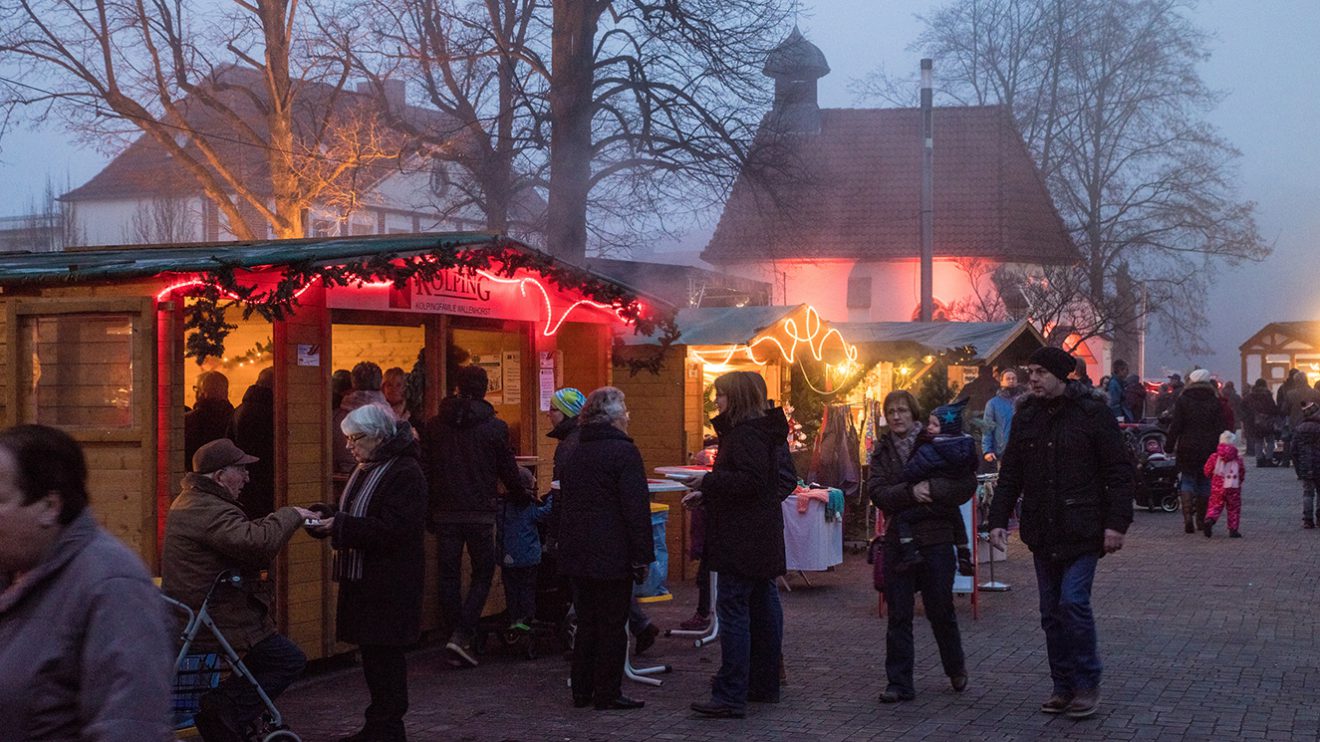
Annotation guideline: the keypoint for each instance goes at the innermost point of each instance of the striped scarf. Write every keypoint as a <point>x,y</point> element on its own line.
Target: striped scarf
<point>347,564</point>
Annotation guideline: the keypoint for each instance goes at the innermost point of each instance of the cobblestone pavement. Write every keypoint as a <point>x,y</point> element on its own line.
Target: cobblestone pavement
<point>1201,639</point>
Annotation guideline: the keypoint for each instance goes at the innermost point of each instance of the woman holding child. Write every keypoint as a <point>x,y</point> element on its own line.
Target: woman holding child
<point>930,561</point>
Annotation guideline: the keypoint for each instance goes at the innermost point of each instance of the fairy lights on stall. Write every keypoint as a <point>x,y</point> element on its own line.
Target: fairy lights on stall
<point>813,333</point>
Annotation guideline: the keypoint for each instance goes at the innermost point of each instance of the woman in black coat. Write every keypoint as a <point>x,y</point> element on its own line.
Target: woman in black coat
<point>605,545</point>
<point>935,538</point>
<point>744,544</point>
<point>379,561</point>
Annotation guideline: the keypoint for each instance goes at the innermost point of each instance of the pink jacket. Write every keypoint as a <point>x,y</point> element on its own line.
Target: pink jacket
<point>1225,469</point>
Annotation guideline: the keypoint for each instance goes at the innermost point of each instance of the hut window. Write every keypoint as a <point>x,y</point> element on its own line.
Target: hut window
<point>77,370</point>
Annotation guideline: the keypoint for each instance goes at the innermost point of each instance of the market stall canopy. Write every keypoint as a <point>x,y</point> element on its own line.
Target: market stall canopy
<point>989,341</point>
<point>756,331</point>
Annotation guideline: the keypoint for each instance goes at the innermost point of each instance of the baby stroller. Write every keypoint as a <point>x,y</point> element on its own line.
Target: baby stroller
<point>196,674</point>
<point>1157,478</point>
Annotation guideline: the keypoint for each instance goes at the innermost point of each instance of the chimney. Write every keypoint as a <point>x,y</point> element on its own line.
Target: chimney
<point>396,91</point>
<point>927,193</point>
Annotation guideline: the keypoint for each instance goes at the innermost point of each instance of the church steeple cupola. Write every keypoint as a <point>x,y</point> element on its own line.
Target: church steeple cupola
<point>795,65</point>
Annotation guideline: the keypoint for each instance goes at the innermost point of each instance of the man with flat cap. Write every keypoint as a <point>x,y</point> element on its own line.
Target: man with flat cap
<point>1067,462</point>
<point>206,533</point>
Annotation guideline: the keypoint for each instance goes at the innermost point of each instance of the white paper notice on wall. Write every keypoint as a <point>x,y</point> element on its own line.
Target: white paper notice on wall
<point>309,355</point>
<point>512,377</point>
<point>547,387</point>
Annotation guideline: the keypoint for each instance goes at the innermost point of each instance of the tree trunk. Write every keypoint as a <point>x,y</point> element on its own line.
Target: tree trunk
<point>288,206</point>
<point>573,36</point>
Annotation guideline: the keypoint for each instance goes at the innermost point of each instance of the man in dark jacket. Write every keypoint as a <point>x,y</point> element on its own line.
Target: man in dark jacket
<point>466,452</point>
<point>1306,459</point>
<point>252,428</point>
<point>1199,416</point>
<point>209,417</point>
<point>1260,415</point>
<point>1067,462</point>
<point>206,533</point>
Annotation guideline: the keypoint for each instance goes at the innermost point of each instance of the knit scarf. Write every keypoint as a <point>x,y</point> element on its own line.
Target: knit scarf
<point>904,444</point>
<point>347,564</point>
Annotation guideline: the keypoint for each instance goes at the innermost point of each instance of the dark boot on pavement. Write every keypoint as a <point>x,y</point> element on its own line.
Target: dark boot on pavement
<point>646,638</point>
<point>1056,703</point>
<point>1185,505</point>
<point>1208,526</point>
<point>1084,703</point>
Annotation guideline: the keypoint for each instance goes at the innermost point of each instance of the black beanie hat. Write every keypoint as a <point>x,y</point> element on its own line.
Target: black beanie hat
<point>1055,360</point>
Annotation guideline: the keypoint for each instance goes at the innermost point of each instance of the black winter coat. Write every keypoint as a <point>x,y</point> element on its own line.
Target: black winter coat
<point>604,519</point>
<point>568,434</point>
<point>888,491</point>
<point>466,452</point>
<point>1067,461</point>
<point>743,494</point>
<point>385,606</point>
<point>252,428</point>
<point>206,422</point>
<point>1198,419</point>
<point>1259,413</point>
<point>1306,448</point>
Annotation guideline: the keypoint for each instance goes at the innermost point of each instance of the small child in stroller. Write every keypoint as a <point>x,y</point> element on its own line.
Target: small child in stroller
<point>1159,478</point>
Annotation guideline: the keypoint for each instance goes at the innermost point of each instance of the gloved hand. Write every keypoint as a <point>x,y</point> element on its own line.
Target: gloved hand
<point>639,572</point>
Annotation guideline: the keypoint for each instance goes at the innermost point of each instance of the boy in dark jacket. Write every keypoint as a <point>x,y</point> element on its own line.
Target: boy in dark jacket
<point>1306,459</point>
<point>520,551</point>
<point>942,451</point>
<point>466,451</point>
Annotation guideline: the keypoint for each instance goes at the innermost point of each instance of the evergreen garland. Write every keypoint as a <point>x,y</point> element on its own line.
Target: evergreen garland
<point>205,318</point>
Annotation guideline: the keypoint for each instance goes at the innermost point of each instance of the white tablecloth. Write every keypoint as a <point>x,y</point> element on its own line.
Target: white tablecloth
<point>811,543</point>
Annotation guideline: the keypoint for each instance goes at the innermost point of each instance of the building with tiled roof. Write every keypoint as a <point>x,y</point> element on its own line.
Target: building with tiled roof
<point>144,195</point>
<point>831,213</point>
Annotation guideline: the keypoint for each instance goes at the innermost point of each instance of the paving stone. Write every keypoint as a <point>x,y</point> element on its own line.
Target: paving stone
<point>1201,639</point>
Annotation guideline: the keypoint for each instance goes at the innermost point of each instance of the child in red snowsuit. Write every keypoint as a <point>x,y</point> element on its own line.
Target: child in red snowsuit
<point>1226,472</point>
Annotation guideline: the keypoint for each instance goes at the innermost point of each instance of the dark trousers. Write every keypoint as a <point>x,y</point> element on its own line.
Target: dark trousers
<point>601,642</point>
<point>933,577</point>
<point>751,640</point>
<point>386,671</point>
<point>461,615</point>
<point>275,662</point>
<point>520,592</point>
<point>1065,614</point>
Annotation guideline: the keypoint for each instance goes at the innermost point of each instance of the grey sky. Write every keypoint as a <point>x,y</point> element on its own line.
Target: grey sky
<point>1266,59</point>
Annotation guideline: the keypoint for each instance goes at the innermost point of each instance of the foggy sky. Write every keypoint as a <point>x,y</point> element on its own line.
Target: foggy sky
<point>1266,59</point>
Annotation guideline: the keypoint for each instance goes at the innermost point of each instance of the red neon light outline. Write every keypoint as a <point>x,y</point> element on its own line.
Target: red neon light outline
<point>552,325</point>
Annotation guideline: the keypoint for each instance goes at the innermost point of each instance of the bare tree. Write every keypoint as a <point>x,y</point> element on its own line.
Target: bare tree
<point>1108,98</point>
<point>161,221</point>
<point>238,94</point>
<point>622,113</point>
<point>476,64</point>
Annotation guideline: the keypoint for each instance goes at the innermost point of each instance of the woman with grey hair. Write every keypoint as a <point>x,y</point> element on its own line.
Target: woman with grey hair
<point>376,532</point>
<point>605,545</point>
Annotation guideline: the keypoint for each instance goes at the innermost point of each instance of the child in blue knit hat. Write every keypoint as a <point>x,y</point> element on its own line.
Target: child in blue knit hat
<point>942,450</point>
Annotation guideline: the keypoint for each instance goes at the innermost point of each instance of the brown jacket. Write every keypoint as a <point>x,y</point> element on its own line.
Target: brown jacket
<point>207,533</point>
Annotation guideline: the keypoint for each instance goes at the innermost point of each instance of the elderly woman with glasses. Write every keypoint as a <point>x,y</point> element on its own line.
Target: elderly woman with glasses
<point>605,544</point>
<point>377,536</point>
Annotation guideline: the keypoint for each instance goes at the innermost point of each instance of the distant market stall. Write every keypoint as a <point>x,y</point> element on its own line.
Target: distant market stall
<point>1277,347</point>
<point>106,343</point>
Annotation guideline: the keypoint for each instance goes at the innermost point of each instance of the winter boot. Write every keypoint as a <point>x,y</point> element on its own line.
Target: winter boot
<point>1185,505</point>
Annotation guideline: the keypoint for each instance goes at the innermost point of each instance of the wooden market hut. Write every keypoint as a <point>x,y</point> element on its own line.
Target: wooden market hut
<point>886,346</point>
<point>670,396</point>
<point>97,342</point>
<point>1277,347</point>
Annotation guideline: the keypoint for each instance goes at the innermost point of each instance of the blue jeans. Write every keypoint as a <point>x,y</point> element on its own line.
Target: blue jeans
<point>275,662</point>
<point>1065,614</point>
<point>933,577</point>
<point>751,635</point>
<point>461,616</point>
